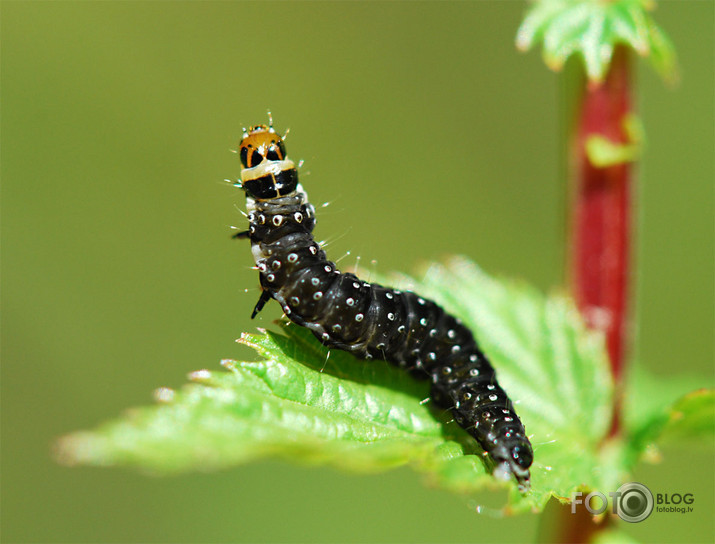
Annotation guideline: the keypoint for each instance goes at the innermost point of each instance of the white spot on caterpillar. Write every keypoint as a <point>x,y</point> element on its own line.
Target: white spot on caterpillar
<point>432,356</point>
<point>315,281</point>
<point>391,316</point>
<point>423,322</point>
<point>421,301</point>
<point>292,257</point>
<point>328,268</point>
<point>473,358</point>
<point>359,317</point>
<point>491,387</point>
<point>433,332</point>
<point>317,295</point>
<point>276,264</point>
<point>474,372</point>
<point>278,220</point>
<point>295,301</point>
<point>456,349</point>
<point>313,250</point>
<point>451,333</point>
<point>298,217</point>
<point>356,285</point>
<point>271,277</point>
<point>389,295</point>
<point>350,302</point>
<point>401,329</point>
<point>493,397</point>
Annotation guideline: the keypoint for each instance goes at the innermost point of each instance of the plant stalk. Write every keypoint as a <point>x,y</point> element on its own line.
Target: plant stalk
<point>560,526</point>
<point>601,222</point>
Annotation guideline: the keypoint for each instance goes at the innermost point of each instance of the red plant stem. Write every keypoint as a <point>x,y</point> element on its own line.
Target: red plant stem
<point>560,526</point>
<point>601,222</point>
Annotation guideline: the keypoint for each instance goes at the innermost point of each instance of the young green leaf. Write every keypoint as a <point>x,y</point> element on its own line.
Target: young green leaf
<point>592,29</point>
<point>305,403</point>
<point>658,409</point>
<point>692,416</point>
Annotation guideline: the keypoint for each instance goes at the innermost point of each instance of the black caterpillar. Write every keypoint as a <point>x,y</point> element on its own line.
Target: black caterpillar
<point>368,320</point>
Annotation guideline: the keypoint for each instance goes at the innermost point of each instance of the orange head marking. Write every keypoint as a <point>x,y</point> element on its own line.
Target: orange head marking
<point>259,144</point>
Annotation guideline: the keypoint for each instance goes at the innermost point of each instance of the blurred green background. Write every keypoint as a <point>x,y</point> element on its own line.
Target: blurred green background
<point>119,275</point>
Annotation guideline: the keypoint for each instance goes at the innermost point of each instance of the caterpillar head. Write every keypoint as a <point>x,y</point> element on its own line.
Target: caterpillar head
<point>267,172</point>
<point>261,143</point>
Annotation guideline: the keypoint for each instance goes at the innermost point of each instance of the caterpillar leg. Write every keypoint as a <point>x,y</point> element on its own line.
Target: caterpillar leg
<point>265,297</point>
<point>241,235</point>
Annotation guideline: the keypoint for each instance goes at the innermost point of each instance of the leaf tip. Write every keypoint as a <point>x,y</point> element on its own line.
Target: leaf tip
<point>164,394</point>
<point>524,38</point>
<point>200,375</point>
<point>75,449</point>
<point>229,364</point>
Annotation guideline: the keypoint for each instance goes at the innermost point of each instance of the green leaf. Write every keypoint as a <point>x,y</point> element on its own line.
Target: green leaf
<point>603,152</point>
<point>592,29</point>
<point>692,416</point>
<point>549,362</point>
<point>661,409</point>
<point>305,404</point>
<point>612,536</point>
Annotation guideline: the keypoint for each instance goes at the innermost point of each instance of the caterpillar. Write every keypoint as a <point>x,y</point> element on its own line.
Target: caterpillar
<point>369,320</point>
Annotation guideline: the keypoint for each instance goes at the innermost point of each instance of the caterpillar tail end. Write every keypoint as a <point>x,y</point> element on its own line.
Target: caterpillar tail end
<point>505,470</point>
